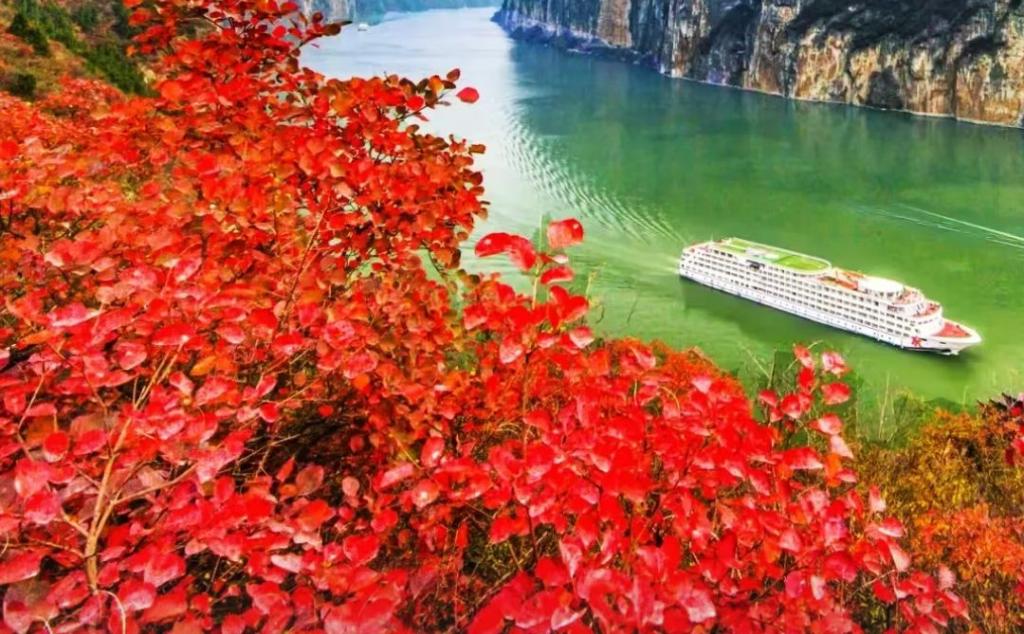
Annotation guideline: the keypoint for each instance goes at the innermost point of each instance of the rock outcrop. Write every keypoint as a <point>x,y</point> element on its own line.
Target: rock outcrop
<point>958,58</point>
<point>332,10</point>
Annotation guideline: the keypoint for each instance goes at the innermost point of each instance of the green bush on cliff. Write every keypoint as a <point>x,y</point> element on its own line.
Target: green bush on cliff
<point>51,20</point>
<point>87,17</point>
<point>37,22</point>
<point>22,28</point>
<point>21,85</point>
<point>110,60</point>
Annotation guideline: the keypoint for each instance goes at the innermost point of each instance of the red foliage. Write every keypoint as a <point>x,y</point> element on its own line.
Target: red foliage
<point>988,552</point>
<point>234,400</point>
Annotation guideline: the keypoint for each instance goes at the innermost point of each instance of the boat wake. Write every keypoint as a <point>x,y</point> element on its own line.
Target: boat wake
<point>934,220</point>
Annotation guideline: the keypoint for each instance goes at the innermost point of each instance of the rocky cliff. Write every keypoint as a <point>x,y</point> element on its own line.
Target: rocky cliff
<point>960,58</point>
<point>333,10</point>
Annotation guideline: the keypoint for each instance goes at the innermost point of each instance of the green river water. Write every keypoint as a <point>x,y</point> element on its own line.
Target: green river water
<point>650,164</point>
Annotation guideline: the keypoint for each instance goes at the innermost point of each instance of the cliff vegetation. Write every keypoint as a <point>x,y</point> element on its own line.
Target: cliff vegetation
<point>43,40</point>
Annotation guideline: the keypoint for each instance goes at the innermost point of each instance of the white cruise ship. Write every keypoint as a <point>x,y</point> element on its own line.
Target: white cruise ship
<point>814,289</point>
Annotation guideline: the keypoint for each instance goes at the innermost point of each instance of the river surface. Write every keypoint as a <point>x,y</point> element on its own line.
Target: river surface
<point>650,164</point>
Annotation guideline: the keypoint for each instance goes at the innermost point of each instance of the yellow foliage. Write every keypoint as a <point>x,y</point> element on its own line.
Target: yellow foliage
<point>955,462</point>
<point>962,503</point>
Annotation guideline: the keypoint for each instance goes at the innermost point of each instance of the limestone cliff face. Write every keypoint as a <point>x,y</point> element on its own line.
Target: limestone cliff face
<point>959,58</point>
<point>332,10</point>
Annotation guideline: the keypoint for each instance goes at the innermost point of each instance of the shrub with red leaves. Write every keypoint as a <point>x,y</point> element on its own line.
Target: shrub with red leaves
<point>233,398</point>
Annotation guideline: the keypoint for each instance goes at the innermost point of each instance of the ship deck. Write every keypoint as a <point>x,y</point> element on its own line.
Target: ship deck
<point>773,255</point>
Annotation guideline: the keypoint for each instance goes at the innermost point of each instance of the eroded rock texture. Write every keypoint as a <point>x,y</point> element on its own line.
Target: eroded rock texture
<point>960,58</point>
<point>332,10</point>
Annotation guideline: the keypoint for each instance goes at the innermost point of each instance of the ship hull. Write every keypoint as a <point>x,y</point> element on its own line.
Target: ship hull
<point>916,344</point>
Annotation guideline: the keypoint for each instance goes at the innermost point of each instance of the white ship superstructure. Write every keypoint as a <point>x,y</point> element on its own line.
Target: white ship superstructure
<point>814,289</point>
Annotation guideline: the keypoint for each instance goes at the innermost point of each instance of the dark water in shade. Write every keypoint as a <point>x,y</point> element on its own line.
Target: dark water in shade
<point>650,164</point>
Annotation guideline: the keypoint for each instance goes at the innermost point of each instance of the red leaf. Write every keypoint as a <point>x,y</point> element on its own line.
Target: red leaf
<point>43,507</point>
<point>883,591</point>
<point>172,90</point>
<point>556,274</point>
<point>173,335</point>
<point>492,244</point>
<point>55,446</point>
<point>359,364</point>
<point>231,333</point>
<point>309,479</point>
<point>769,398</point>
<point>835,393</point>
<point>790,540</point>
<point>698,604</point>
<point>263,318</point>
<point>339,333</point>
<point>802,458</point>
<point>468,95</point>
<point>396,474</point>
<point>270,412</point>
<point>163,567</point>
<point>70,315</point>
<point>956,606</point>
<point>136,595</point>
<point>581,337</point>
<point>30,476</point>
<point>833,362</point>
<point>212,390</point>
<point>504,527</point>
<point>829,424</point>
<point>432,451</point>
<point>803,355</point>
<point>510,350</point>
<point>564,233</point>
<point>838,446</point>
<point>875,501</point>
<point>840,566</point>
<point>267,597</point>
<point>488,620</point>
<point>129,354</point>
<point>890,527</point>
<point>313,515</point>
<point>18,566</point>
<point>805,379</point>
<point>899,558</point>
<point>8,149</point>
<point>350,486</point>
<point>415,102</point>
<point>287,344</point>
<point>519,249</point>
<point>793,406</point>
<point>182,383</point>
<point>89,441</point>
<point>167,606</point>
<point>424,493</point>
<point>360,549</point>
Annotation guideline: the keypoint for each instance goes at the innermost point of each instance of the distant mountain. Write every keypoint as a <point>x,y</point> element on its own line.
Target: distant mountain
<point>959,58</point>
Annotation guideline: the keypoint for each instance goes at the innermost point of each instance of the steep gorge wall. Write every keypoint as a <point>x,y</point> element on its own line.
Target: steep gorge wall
<point>332,10</point>
<point>960,58</point>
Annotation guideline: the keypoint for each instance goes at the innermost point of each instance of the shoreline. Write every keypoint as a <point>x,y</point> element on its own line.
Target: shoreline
<point>585,44</point>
